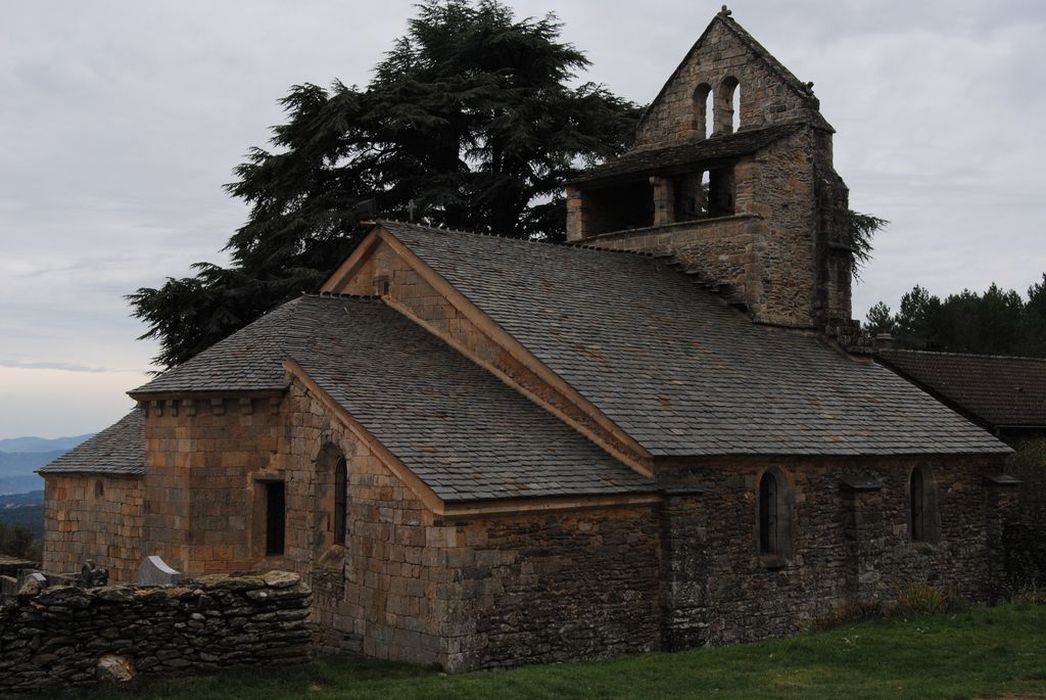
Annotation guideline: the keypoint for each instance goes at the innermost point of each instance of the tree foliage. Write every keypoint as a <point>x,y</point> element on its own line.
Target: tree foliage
<point>470,121</point>
<point>996,322</point>
<point>863,228</point>
<point>19,542</point>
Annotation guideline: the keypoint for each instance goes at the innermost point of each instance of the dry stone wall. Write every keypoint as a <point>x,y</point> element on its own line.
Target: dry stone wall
<point>68,636</point>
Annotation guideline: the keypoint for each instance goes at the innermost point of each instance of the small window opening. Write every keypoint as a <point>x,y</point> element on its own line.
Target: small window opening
<point>619,208</point>
<point>735,111</point>
<point>769,517</point>
<point>727,106</point>
<point>691,191</point>
<point>381,286</point>
<point>721,192</point>
<point>99,489</point>
<point>340,501</point>
<point>275,517</point>
<point>918,515</point>
<point>703,110</point>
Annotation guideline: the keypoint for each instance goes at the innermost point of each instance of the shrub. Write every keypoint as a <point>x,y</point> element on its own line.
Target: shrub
<point>918,599</point>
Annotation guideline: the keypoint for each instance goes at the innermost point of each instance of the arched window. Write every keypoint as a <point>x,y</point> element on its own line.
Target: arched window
<point>775,505</point>
<point>341,474</point>
<point>918,511</point>
<point>703,110</point>
<point>769,516</point>
<point>331,509</point>
<point>727,106</point>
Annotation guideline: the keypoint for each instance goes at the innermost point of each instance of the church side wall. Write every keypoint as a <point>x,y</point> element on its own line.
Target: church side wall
<point>89,516</point>
<point>847,545</point>
<point>552,587</point>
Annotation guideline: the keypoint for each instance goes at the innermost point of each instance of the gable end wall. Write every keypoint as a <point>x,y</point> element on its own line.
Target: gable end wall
<point>765,97</point>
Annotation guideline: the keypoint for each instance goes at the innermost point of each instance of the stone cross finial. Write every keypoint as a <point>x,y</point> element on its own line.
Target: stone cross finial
<point>725,11</point>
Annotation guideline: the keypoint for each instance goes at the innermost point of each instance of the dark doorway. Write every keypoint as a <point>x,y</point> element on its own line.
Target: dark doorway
<point>275,517</point>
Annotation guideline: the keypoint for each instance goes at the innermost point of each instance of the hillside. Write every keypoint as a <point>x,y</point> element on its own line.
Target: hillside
<point>36,444</point>
<point>20,457</point>
<point>16,470</point>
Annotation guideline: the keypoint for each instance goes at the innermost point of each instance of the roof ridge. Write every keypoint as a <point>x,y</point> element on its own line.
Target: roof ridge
<point>533,241</point>
<point>963,354</point>
<point>340,295</point>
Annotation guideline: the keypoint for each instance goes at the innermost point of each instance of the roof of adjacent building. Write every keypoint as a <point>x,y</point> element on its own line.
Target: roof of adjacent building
<point>668,159</point>
<point>1002,391</point>
<point>458,428</point>
<point>119,450</point>
<point>678,369</point>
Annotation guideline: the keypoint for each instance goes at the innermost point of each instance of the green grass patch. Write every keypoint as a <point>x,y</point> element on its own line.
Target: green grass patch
<point>981,652</point>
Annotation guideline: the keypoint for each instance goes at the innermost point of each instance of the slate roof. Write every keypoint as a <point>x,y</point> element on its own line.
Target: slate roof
<point>679,370</point>
<point>670,159</point>
<point>454,425</point>
<point>999,390</point>
<point>119,450</point>
<point>249,360</point>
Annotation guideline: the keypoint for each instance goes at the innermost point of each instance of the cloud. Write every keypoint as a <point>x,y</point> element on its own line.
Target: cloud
<point>121,120</point>
<point>63,366</point>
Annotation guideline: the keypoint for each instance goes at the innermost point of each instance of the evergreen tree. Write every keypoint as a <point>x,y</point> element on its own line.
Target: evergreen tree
<point>880,320</point>
<point>995,322</point>
<point>470,122</point>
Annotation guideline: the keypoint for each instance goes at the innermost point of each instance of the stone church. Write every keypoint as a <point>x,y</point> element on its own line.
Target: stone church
<point>482,451</point>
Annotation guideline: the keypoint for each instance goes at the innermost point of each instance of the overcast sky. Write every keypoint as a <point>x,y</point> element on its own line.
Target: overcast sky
<point>120,121</point>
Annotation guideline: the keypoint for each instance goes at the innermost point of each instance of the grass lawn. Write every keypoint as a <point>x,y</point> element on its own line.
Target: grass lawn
<point>985,652</point>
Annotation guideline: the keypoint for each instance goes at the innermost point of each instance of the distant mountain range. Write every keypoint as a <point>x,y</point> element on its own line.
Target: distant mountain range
<point>36,444</point>
<point>21,456</point>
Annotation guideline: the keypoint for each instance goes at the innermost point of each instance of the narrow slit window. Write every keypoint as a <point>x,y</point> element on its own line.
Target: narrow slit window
<point>341,473</point>
<point>769,517</point>
<point>275,517</point>
<point>917,490</point>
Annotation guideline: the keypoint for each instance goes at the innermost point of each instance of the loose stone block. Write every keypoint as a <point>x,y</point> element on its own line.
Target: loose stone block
<point>154,571</point>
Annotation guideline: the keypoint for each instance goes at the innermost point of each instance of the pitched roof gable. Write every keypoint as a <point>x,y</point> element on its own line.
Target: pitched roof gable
<point>462,432</point>
<point>999,390</point>
<point>770,69</point>
<point>675,367</point>
<point>119,450</point>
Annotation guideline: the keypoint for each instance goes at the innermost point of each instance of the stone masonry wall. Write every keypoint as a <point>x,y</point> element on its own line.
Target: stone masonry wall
<point>94,517</point>
<point>58,637</point>
<point>375,593</point>
<point>769,253</point>
<point>765,98</point>
<point>410,585</point>
<point>1025,540</point>
<point>200,496</point>
<point>551,587</point>
<point>847,545</point>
